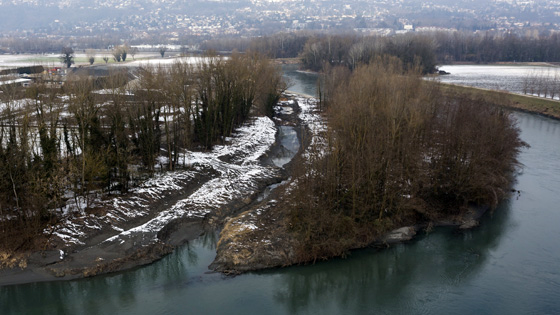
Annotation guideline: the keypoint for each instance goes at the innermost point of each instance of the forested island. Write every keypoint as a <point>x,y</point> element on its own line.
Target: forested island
<point>382,149</point>
<point>395,151</point>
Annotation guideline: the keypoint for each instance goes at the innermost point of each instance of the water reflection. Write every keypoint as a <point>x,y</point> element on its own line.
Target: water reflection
<point>300,82</point>
<point>126,290</point>
<point>289,145</point>
<point>537,123</point>
<point>209,240</point>
<point>412,273</point>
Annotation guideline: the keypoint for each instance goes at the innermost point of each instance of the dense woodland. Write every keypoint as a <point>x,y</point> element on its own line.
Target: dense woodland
<point>350,49</point>
<point>398,151</point>
<point>92,137</point>
<point>446,46</point>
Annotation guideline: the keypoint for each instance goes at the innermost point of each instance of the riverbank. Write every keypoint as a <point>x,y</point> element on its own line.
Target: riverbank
<point>525,103</point>
<point>256,234</point>
<point>261,237</point>
<point>506,63</point>
<point>122,232</point>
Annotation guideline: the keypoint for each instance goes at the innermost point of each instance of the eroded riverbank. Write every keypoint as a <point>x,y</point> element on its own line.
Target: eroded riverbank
<point>160,214</point>
<point>222,187</point>
<point>261,237</point>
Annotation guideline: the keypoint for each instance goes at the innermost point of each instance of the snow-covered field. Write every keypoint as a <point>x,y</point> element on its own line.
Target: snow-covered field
<point>158,61</point>
<point>25,60</point>
<point>53,60</point>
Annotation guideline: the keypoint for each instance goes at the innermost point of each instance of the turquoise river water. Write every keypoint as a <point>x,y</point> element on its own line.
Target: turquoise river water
<point>508,265</point>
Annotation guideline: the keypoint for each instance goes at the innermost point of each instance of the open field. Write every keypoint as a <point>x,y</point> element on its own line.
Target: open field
<point>80,58</point>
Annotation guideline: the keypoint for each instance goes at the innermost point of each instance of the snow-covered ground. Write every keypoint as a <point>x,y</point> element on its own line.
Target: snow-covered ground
<point>14,105</point>
<point>251,231</point>
<point>311,118</point>
<point>158,61</point>
<point>25,60</point>
<point>236,179</point>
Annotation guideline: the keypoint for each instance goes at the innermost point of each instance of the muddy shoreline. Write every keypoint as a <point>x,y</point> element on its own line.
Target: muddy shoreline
<point>272,246</point>
<point>254,236</point>
<point>128,240</point>
<point>260,237</point>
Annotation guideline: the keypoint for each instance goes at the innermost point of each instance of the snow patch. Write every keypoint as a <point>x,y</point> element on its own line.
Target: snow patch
<point>236,179</point>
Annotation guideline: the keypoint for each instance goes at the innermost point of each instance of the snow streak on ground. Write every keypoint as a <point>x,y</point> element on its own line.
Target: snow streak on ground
<point>246,224</point>
<point>14,105</point>
<point>311,118</point>
<point>238,171</point>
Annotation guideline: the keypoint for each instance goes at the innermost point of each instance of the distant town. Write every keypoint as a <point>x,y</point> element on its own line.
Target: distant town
<point>174,21</point>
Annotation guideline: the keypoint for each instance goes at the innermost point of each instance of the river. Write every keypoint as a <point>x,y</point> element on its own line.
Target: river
<point>508,265</point>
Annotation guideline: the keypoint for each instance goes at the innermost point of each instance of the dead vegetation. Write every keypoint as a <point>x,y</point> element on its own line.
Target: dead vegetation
<point>62,149</point>
<point>11,260</point>
<point>398,151</point>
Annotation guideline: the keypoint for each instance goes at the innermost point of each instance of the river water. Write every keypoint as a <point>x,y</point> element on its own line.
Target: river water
<point>508,265</point>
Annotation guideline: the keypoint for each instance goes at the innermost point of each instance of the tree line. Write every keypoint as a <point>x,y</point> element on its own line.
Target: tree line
<point>488,47</point>
<point>429,49</point>
<point>456,46</point>
<point>280,45</point>
<point>398,151</point>
<point>543,83</point>
<point>93,137</point>
<point>317,47</point>
<point>350,49</point>
<point>38,45</point>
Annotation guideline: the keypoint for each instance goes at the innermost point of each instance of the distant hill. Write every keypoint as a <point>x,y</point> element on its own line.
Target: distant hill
<point>239,17</point>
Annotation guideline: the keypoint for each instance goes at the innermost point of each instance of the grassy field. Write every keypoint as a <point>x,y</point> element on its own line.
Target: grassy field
<point>537,105</point>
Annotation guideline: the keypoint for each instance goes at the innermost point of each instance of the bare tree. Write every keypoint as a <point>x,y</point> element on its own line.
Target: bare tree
<point>89,168</point>
<point>133,51</point>
<point>553,84</point>
<point>184,51</point>
<point>398,148</point>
